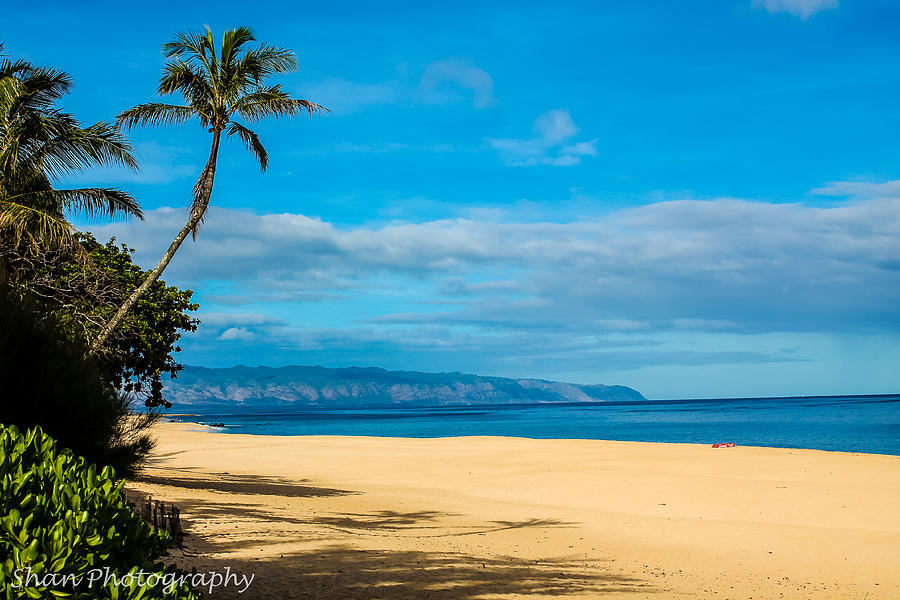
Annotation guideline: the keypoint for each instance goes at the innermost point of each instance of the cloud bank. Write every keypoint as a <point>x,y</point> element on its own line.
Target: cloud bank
<point>697,265</point>
<point>788,298</point>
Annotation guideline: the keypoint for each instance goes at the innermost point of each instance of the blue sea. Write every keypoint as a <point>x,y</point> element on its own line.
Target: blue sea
<point>850,424</point>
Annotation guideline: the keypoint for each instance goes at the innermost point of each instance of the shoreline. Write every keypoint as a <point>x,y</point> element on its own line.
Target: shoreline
<point>341,516</point>
<point>212,429</point>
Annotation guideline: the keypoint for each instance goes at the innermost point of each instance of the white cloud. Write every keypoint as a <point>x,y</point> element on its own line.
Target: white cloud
<point>860,189</point>
<point>551,144</point>
<point>443,79</point>
<point>799,8</point>
<point>555,126</point>
<point>236,333</point>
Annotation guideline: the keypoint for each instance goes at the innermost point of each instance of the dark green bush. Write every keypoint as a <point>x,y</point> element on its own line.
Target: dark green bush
<point>83,290</point>
<point>47,380</point>
<point>59,515</point>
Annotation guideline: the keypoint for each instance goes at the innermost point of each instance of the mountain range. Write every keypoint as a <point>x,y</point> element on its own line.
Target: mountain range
<point>368,387</point>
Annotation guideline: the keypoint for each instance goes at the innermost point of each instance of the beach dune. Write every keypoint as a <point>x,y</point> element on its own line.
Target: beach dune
<point>477,517</point>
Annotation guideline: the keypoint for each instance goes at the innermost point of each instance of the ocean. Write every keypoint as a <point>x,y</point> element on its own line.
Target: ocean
<point>868,424</point>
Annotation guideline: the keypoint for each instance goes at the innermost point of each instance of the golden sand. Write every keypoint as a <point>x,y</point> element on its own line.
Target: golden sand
<point>458,518</point>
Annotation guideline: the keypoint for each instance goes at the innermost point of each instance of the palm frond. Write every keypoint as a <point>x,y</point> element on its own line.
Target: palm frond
<point>232,42</point>
<point>311,108</point>
<point>103,143</point>
<point>35,227</point>
<point>10,68</point>
<point>180,76</point>
<point>91,202</point>
<point>57,143</point>
<point>198,51</point>
<point>38,143</point>
<point>94,202</point>
<point>266,61</point>
<point>43,87</point>
<point>273,102</point>
<point>74,148</point>
<point>33,89</point>
<point>154,113</point>
<point>11,87</point>
<point>185,43</point>
<point>251,142</point>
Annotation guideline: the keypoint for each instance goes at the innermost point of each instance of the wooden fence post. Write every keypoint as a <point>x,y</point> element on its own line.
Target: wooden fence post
<point>160,517</point>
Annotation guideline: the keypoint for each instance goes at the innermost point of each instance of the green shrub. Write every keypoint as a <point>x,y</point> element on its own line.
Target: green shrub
<point>83,290</point>
<point>59,515</point>
<point>47,381</point>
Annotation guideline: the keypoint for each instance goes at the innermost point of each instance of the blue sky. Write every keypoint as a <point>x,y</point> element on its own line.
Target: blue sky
<point>695,199</point>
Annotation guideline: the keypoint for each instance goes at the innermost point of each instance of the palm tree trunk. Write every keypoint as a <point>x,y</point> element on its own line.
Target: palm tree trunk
<point>3,268</point>
<point>209,173</point>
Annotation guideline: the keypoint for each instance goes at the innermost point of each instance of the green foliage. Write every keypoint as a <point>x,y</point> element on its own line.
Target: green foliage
<point>141,350</point>
<point>40,143</point>
<point>60,515</point>
<point>48,381</point>
<point>83,291</point>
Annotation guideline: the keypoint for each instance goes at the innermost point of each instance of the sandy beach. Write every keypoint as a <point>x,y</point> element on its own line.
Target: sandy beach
<point>457,518</point>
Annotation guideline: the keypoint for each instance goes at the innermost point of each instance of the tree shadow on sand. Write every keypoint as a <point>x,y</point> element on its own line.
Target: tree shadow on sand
<point>402,522</point>
<point>341,572</point>
<point>264,520</point>
<point>305,554</point>
<point>330,569</point>
<point>240,484</point>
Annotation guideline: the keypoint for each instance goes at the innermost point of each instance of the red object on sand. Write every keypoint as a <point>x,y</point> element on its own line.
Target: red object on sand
<point>726,445</point>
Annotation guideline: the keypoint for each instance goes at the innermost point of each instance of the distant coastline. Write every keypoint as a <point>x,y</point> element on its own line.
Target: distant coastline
<point>300,387</point>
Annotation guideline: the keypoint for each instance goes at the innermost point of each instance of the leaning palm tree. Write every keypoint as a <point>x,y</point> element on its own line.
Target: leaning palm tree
<point>39,144</point>
<point>217,88</point>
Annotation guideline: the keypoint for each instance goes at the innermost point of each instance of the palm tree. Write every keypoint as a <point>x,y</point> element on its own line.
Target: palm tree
<point>40,143</point>
<point>216,89</point>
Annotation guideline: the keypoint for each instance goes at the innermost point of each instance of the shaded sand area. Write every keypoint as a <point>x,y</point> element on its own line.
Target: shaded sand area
<point>457,518</point>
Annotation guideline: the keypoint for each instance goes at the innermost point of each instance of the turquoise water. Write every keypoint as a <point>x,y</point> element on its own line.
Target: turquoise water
<point>850,424</point>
